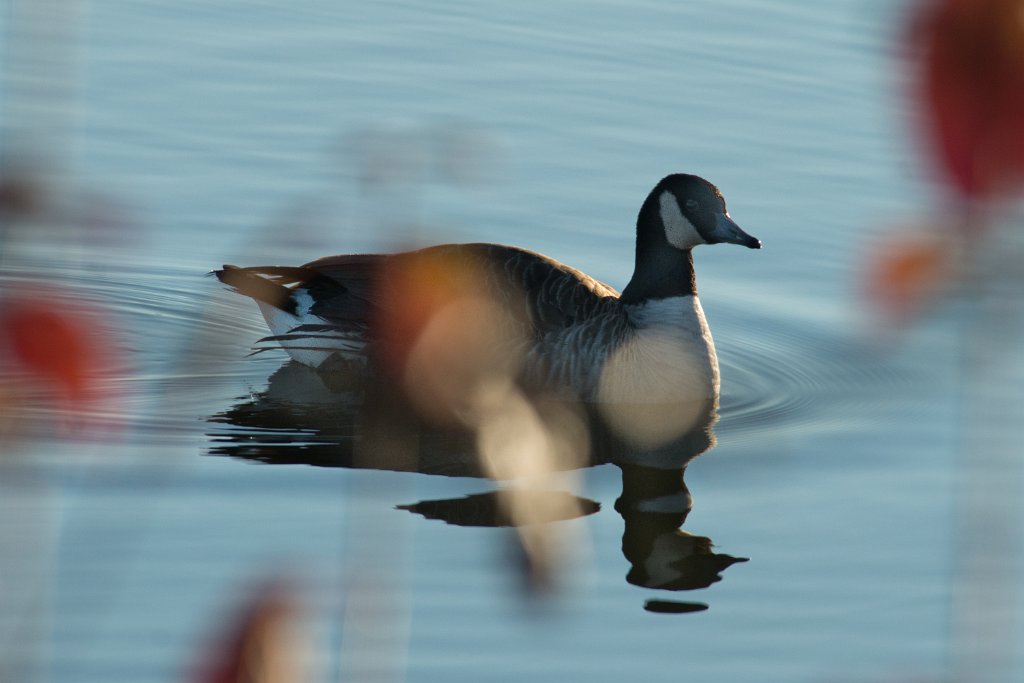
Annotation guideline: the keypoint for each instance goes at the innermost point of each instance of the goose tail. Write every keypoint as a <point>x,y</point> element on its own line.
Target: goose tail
<point>264,284</point>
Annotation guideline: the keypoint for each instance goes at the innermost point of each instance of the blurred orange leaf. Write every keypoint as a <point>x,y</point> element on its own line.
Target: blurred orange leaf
<point>442,330</point>
<point>259,646</point>
<point>905,276</point>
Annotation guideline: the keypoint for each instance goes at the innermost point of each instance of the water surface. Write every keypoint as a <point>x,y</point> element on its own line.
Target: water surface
<point>230,132</point>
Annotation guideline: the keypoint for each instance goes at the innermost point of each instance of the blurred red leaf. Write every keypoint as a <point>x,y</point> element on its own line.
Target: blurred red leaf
<point>970,90</point>
<point>57,341</point>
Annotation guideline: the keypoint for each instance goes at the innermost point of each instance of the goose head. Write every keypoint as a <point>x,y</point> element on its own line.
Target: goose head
<point>684,211</point>
<point>681,212</point>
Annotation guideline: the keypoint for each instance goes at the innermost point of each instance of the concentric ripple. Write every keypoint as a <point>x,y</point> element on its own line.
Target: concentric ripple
<point>793,375</point>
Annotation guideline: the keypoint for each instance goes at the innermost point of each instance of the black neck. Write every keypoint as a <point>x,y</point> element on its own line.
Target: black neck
<point>661,272</point>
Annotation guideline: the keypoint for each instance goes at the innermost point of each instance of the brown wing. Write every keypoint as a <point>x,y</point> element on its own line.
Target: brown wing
<point>546,295</point>
<point>348,292</point>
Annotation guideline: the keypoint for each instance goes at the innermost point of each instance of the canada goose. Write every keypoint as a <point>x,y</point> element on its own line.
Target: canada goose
<point>651,343</point>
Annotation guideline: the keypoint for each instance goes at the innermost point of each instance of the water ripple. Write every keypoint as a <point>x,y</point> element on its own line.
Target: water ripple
<point>185,337</point>
<point>798,376</point>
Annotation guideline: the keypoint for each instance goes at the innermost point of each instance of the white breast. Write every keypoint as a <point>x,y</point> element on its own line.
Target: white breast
<point>671,358</point>
<point>655,385</point>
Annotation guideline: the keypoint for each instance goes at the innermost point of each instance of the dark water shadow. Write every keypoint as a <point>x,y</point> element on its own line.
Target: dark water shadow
<point>325,420</point>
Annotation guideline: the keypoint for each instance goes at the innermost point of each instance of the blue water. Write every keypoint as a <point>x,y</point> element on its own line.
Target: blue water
<point>242,132</point>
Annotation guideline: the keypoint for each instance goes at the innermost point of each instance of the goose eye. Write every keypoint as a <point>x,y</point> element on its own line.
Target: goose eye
<point>691,204</point>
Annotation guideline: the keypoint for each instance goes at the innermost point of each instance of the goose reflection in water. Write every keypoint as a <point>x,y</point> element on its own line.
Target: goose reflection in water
<point>332,418</point>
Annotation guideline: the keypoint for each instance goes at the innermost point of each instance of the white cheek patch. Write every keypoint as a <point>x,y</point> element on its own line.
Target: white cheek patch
<point>679,231</point>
